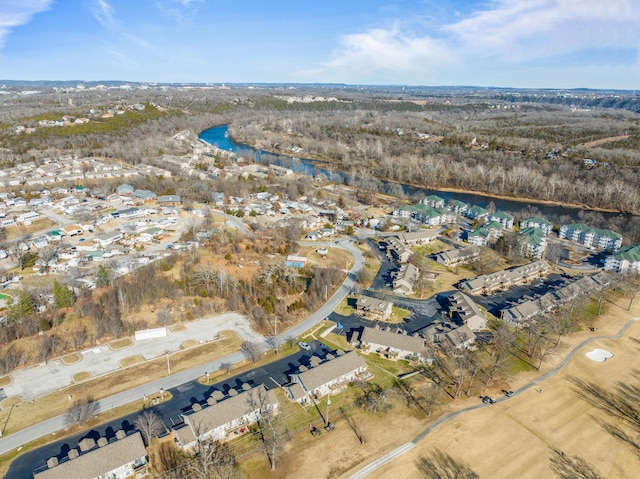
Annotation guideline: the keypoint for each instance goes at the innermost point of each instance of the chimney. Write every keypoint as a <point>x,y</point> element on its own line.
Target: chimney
<point>102,442</point>
<point>73,453</point>
<point>196,407</point>
<point>120,434</point>
<point>86,444</point>
<point>52,462</point>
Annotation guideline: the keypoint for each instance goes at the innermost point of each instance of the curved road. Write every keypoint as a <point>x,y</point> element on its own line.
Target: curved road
<point>50,426</point>
<point>365,471</point>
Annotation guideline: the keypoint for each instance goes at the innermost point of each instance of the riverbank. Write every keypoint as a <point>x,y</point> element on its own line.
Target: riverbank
<point>220,137</point>
<point>322,162</point>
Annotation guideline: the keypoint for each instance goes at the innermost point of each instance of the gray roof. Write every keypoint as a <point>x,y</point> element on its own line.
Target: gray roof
<point>330,370</point>
<point>404,342</point>
<point>223,412</point>
<point>99,460</point>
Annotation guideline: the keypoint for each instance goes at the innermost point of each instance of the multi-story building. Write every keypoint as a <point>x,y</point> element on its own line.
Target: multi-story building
<point>625,260</point>
<point>589,236</point>
<point>535,222</point>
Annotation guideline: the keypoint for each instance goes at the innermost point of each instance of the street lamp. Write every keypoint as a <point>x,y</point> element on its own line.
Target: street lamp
<point>275,332</point>
<point>328,404</point>
<point>161,393</point>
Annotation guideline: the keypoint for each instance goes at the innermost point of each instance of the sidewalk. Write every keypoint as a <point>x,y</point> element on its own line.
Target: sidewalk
<point>35,381</point>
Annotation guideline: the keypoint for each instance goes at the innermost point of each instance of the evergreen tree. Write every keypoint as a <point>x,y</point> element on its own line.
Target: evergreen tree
<point>62,295</point>
<point>103,278</point>
<point>21,308</point>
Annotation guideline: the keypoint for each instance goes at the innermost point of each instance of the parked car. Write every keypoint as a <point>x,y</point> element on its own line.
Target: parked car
<point>304,346</point>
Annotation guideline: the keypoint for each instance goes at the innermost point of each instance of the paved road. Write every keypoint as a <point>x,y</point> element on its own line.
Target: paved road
<point>183,397</point>
<point>368,469</point>
<point>54,424</point>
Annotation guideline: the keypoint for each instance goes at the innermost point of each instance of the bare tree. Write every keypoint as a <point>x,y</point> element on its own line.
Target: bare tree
<point>213,459</point>
<point>268,423</point>
<point>251,350</point>
<point>149,424</point>
<point>440,465</point>
<point>81,410</point>
<point>226,367</point>
<point>374,398</point>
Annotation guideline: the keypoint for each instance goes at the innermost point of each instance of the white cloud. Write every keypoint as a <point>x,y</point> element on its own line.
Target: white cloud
<point>103,12</point>
<point>375,53</point>
<point>14,13</point>
<point>505,34</point>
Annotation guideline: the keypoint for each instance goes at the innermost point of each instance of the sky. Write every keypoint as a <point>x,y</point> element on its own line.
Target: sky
<point>503,43</point>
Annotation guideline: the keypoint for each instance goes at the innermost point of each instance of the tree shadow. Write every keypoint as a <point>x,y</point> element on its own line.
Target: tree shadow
<point>571,467</point>
<point>440,465</point>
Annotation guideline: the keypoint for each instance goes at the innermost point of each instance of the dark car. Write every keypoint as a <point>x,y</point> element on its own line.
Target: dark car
<point>508,393</point>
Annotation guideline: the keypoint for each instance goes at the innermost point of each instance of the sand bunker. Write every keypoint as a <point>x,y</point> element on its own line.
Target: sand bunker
<point>599,355</point>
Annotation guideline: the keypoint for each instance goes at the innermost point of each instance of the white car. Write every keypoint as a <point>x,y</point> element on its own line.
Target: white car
<point>304,346</point>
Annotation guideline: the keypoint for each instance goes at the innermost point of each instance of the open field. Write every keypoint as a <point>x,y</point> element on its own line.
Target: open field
<point>514,438</point>
<point>510,439</point>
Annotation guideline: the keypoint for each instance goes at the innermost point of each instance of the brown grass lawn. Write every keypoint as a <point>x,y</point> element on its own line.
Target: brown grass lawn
<point>15,232</point>
<point>71,358</point>
<point>514,438</point>
<point>33,412</point>
<point>131,360</point>
<point>120,344</point>
<point>80,377</point>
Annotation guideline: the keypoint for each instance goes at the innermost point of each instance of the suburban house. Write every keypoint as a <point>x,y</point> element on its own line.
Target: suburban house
<point>329,377</point>
<point>124,189</point>
<point>454,257</point>
<point>143,195</point>
<point>168,200</point>
<point>373,308</point>
<point>433,201</point>
<point>117,458</point>
<point>405,279</point>
<point>223,417</point>
<point>72,230</point>
<point>462,310</point>
<point>539,223</point>
<point>625,260</point>
<point>488,283</point>
<point>505,219</point>
<point>589,236</point>
<point>106,239</point>
<point>532,242</point>
<point>394,344</point>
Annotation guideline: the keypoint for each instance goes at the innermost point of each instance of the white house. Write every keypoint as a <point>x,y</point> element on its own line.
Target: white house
<point>329,377</point>
<point>223,417</point>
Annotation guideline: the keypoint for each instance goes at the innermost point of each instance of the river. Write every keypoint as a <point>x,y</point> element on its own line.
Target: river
<point>218,136</point>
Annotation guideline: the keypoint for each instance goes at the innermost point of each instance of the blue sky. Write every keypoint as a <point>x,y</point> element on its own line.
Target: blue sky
<point>517,43</point>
